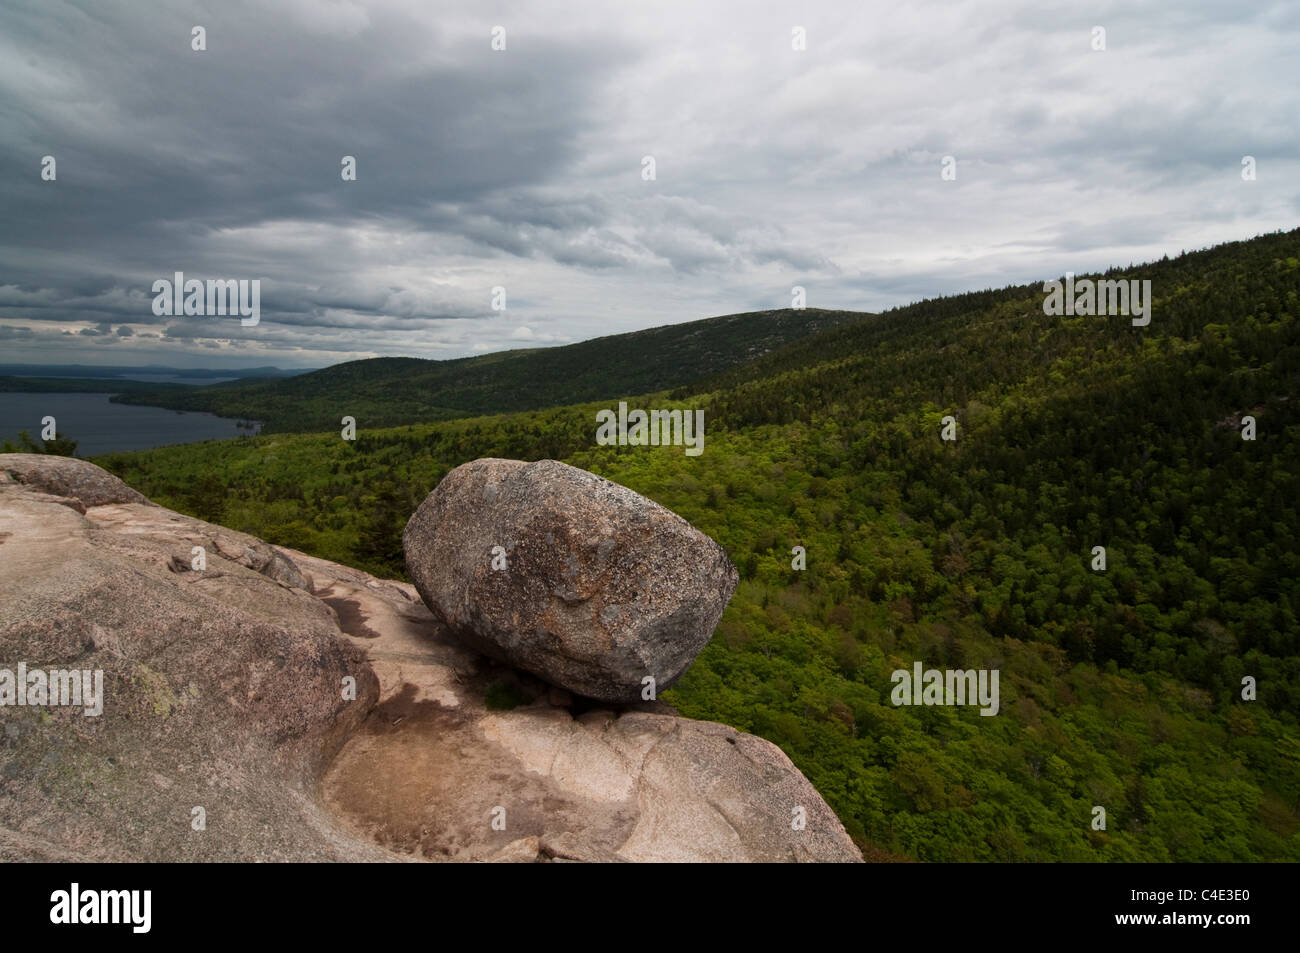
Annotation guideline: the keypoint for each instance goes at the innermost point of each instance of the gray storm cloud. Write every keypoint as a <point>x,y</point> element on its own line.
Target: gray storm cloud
<point>522,167</point>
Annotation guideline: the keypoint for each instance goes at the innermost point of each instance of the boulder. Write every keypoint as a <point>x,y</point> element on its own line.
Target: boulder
<point>563,574</point>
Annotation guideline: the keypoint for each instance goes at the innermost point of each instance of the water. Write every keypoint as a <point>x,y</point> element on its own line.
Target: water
<point>99,426</point>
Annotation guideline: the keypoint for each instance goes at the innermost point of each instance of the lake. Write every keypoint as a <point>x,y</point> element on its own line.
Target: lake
<point>100,426</point>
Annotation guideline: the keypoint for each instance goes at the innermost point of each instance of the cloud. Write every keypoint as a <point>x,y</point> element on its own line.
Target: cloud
<point>522,168</point>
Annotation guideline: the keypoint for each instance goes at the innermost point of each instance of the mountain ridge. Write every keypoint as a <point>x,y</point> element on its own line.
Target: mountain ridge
<point>390,391</point>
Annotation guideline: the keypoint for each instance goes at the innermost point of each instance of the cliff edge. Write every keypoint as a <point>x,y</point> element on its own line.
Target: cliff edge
<point>256,703</point>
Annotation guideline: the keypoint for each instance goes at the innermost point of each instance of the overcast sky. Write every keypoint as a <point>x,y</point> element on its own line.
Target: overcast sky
<point>523,168</point>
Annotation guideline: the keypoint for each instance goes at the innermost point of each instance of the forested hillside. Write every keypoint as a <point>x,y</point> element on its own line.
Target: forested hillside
<point>83,385</point>
<point>385,391</point>
<point>1120,688</point>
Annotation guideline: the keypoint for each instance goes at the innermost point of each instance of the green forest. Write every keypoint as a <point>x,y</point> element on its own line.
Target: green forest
<point>1120,689</point>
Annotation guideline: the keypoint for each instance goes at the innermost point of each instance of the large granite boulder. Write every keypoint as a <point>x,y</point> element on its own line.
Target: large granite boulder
<point>568,576</point>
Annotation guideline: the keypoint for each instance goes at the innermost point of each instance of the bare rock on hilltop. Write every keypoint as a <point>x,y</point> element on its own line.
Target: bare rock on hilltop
<point>68,477</point>
<point>230,691</point>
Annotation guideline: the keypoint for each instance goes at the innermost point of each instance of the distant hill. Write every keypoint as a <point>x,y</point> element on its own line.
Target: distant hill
<point>83,385</point>
<point>389,391</point>
<point>136,371</point>
<point>119,379</point>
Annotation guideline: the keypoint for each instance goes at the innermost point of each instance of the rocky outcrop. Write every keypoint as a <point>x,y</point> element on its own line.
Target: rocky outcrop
<point>77,481</point>
<point>274,706</point>
<point>221,689</point>
<point>566,575</point>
